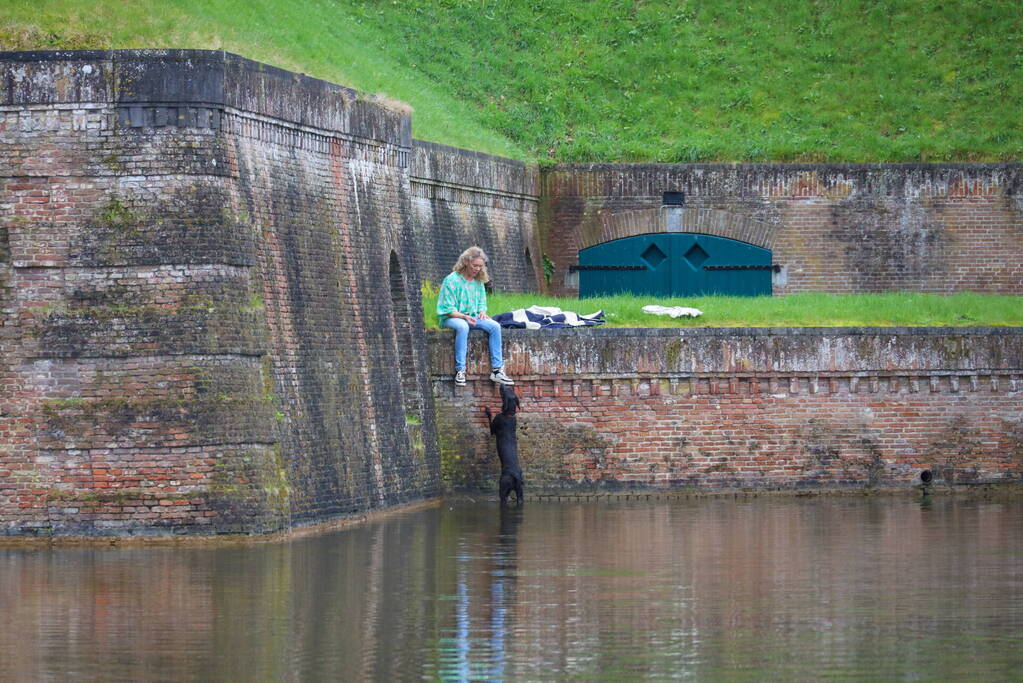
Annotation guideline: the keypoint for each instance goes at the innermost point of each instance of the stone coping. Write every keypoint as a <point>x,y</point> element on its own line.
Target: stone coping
<point>199,78</point>
<point>744,351</point>
<point>599,331</point>
<point>921,166</point>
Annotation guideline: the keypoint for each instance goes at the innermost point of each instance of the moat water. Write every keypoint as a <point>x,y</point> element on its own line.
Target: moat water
<point>887,587</point>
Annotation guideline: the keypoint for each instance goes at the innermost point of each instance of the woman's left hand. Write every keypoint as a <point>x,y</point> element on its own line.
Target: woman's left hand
<point>483,315</point>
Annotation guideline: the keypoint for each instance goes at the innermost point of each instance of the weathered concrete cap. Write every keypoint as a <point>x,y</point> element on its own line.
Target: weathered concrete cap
<point>203,78</point>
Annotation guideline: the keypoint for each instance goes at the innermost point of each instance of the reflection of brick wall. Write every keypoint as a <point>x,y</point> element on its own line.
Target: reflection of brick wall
<point>836,228</point>
<point>199,261</point>
<point>724,408</point>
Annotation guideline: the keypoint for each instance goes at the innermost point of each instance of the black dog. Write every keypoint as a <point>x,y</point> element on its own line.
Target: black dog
<point>503,427</point>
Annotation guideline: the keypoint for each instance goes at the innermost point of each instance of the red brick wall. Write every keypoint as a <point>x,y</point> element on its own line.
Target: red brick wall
<point>761,408</point>
<point>462,198</point>
<point>835,228</point>
<point>204,265</point>
<point>210,316</point>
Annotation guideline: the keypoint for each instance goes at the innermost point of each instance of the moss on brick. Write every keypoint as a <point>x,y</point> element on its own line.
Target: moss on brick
<point>91,408</point>
<point>114,163</point>
<point>147,421</point>
<point>144,330</point>
<point>456,438</point>
<point>953,350</point>
<point>5,245</point>
<point>547,448</point>
<point>673,353</point>
<point>251,492</point>
<point>120,496</point>
<point>116,215</point>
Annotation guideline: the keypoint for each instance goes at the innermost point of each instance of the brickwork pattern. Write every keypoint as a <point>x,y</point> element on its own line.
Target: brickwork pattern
<point>615,226</point>
<point>332,229</point>
<point>462,198</point>
<point>198,330</point>
<point>210,317</point>
<point>939,228</point>
<point>720,409</point>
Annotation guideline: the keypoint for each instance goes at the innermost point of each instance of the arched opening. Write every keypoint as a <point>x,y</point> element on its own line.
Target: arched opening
<point>411,399</point>
<point>532,267</point>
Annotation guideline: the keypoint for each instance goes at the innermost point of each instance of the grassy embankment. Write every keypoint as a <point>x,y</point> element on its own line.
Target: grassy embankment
<point>799,310</point>
<point>617,80</point>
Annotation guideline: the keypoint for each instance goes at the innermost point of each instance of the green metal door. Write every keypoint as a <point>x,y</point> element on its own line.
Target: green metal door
<point>675,264</point>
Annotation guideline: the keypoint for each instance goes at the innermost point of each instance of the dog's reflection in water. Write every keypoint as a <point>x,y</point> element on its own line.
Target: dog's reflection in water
<point>503,426</point>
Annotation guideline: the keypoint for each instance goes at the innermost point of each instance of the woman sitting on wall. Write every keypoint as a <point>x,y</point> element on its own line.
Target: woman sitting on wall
<point>462,305</point>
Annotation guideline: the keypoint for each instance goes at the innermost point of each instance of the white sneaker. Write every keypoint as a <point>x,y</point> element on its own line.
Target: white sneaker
<point>460,378</point>
<point>499,377</point>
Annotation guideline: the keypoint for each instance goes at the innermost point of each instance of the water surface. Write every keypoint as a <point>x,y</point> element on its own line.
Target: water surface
<point>701,589</point>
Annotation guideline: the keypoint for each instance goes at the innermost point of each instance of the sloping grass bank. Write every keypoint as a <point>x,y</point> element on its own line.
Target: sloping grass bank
<point>322,38</point>
<point>903,309</point>
<point>728,80</point>
<point>621,80</point>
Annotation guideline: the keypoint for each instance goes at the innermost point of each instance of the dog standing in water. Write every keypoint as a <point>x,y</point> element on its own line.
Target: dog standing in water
<point>503,426</point>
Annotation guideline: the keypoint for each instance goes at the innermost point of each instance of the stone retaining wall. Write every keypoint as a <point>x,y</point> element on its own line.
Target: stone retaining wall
<point>752,408</point>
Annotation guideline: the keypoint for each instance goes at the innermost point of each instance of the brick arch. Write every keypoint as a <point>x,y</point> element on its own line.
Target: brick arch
<point>681,219</point>
<point>405,351</point>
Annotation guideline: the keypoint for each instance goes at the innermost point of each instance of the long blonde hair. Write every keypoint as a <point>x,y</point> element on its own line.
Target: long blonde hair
<point>471,254</point>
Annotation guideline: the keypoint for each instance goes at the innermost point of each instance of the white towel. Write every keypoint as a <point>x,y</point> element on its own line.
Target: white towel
<point>673,311</point>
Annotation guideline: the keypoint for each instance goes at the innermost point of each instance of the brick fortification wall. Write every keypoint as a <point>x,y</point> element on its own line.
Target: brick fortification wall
<point>608,409</point>
<point>846,228</point>
<point>210,315</point>
<point>209,308</point>
<point>461,198</point>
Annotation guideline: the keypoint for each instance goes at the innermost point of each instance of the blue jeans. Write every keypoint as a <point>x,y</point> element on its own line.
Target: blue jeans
<point>461,328</point>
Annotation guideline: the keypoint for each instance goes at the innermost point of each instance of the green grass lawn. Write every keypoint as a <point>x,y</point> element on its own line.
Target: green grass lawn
<point>621,80</point>
<point>799,310</point>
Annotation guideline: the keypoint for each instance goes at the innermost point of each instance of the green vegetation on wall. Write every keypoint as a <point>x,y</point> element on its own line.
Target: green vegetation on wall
<point>622,80</point>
